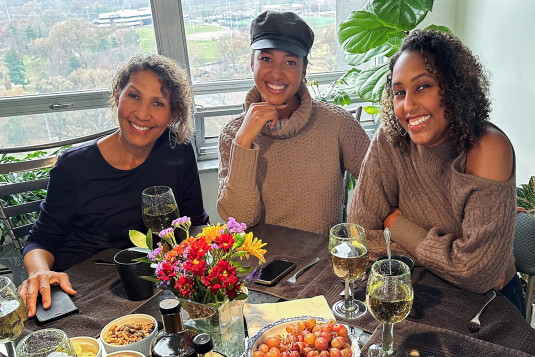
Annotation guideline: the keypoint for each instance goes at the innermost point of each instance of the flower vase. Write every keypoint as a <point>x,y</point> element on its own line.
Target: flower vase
<point>224,324</point>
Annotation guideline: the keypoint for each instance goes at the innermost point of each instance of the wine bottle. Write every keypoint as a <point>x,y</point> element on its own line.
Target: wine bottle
<point>173,340</point>
<point>203,345</point>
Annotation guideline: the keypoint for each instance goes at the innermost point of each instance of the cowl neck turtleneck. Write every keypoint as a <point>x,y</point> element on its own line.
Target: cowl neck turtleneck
<point>286,127</point>
<point>436,156</point>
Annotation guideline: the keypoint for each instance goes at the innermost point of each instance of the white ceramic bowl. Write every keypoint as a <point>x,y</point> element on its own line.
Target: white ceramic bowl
<point>142,346</point>
<point>126,353</point>
<point>279,328</point>
<point>88,344</point>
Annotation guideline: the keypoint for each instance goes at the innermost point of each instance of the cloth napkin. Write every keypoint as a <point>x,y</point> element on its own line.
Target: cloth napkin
<point>260,315</point>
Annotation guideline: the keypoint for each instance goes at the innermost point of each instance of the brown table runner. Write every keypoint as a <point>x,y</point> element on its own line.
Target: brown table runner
<point>437,342</point>
<point>100,298</point>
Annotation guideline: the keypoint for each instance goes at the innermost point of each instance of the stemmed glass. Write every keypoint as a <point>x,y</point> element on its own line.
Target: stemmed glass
<point>159,208</point>
<point>389,295</point>
<point>49,342</point>
<point>348,258</point>
<point>13,314</point>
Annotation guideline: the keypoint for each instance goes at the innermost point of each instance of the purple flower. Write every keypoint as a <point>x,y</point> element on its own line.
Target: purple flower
<point>235,227</point>
<point>181,221</point>
<point>253,276</point>
<point>155,253</point>
<point>167,232</point>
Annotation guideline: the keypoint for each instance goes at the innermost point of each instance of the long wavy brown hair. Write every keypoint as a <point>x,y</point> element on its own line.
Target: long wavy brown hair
<point>464,87</point>
<point>174,81</point>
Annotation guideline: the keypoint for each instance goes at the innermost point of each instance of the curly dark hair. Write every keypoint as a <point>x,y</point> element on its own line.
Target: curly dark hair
<point>463,85</point>
<point>175,82</point>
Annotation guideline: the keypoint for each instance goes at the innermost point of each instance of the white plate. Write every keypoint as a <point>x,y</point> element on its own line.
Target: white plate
<point>279,327</point>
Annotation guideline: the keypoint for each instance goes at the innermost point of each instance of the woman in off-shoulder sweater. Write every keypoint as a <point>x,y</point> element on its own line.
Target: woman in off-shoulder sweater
<point>438,174</point>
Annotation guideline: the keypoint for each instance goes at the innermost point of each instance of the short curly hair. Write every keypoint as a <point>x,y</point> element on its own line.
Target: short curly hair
<point>464,87</point>
<point>175,82</point>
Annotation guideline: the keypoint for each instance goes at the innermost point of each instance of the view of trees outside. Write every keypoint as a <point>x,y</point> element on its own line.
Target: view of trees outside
<point>51,46</point>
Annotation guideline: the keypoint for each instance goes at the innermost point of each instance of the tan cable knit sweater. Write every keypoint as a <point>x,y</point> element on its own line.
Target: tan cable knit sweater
<point>459,226</point>
<point>293,176</point>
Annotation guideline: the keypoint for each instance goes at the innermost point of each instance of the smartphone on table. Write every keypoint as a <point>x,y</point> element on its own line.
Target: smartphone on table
<point>62,306</point>
<point>275,271</point>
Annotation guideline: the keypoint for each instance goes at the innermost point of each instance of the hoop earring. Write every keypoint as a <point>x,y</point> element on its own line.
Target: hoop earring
<point>172,140</point>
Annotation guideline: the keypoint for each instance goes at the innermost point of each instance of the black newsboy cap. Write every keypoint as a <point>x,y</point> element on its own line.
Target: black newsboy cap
<point>283,31</point>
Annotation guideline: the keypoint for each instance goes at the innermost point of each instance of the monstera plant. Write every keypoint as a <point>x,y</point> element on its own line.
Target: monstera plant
<point>376,31</point>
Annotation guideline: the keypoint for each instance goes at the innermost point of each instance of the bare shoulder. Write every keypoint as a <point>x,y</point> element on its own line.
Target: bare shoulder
<point>491,157</point>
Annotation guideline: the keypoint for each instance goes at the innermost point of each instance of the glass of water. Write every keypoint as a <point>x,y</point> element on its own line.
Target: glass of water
<point>45,343</point>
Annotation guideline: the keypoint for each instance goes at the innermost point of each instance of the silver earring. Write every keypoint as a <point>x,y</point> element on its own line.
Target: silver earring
<point>172,137</point>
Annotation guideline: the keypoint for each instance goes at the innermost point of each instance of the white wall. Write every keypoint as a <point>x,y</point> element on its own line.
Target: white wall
<point>501,33</point>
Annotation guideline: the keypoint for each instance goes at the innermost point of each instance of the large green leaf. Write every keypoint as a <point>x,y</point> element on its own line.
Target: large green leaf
<point>402,14</point>
<point>370,83</point>
<point>362,31</point>
<point>439,28</point>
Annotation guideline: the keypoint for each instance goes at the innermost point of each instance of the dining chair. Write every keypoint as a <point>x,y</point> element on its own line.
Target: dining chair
<point>524,252</point>
<point>18,215</point>
<point>347,174</point>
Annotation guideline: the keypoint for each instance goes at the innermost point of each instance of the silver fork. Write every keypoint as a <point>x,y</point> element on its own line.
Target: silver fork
<point>293,279</point>
<point>474,324</point>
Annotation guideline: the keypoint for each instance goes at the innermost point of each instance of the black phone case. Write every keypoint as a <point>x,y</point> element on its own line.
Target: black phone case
<point>62,306</point>
<point>276,279</point>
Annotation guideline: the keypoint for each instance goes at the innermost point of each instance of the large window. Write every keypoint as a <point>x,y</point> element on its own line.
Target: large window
<point>57,57</point>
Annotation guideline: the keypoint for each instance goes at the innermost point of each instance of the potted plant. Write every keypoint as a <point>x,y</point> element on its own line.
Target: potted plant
<point>525,195</point>
<point>376,31</point>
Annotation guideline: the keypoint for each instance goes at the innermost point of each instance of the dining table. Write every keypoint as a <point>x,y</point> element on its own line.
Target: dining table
<point>436,326</point>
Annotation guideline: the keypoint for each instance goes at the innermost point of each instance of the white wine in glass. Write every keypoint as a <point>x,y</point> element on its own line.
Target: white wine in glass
<point>13,314</point>
<point>348,258</point>
<point>159,208</point>
<point>389,295</point>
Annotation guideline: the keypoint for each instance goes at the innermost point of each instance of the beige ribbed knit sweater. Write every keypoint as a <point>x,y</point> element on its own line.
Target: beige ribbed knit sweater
<point>459,226</point>
<point>293,175</point>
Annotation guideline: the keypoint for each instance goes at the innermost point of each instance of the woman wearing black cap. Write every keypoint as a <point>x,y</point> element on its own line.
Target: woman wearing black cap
<point>282,161</point>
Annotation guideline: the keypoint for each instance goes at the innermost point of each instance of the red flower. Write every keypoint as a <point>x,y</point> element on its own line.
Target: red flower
<point>166,271</point>
<point>225,241</point>
<point>196,266</point>
<point>222,276</point>
<point>198,249</point>
<point>185,286</point>
<point>233,289</point>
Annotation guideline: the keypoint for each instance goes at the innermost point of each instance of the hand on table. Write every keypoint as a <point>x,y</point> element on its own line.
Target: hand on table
<point>39,282</point>
<point>257,116</point>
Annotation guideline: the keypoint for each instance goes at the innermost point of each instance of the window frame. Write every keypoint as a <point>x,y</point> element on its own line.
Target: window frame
<point>170,35</point>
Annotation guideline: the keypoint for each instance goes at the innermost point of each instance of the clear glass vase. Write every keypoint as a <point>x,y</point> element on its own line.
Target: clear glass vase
<point>223,323</point>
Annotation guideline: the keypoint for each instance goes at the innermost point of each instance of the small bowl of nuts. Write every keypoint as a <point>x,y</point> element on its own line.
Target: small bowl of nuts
<point>131,332</point>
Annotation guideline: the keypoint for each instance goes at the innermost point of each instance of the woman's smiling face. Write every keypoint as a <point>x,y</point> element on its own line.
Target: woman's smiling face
<point>417,100</point>
<point>277,74</point>
<point>144,111</point>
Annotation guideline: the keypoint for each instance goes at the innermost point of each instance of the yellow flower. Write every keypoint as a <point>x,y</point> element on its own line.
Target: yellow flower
<point>210,233</point>
<point>253,246</point>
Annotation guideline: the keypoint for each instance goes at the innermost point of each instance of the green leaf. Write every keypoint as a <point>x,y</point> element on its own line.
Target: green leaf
<point>372,110</point>
<point>148,239</point>
<point>386,49</point>
<point>370,83</point>
<point>244,270</point>
<point>143,259</point>
<point>362,31</point>
<point>402,14</point>
<point>241,254</point>
<point>150,278</point>
<point>439,28</point>
<point>241,296</point>
<point>138,238</point>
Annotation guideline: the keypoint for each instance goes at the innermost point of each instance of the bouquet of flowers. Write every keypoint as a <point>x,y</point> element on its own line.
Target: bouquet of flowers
<point>205,268</point>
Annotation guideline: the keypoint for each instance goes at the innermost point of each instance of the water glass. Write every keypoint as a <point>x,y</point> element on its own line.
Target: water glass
<point>13,314</point>
<point>45,343</point>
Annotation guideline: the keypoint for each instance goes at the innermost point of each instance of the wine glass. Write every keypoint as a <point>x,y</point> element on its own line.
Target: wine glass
<point>159,208</point>
<point>13,314</point>
<point>49,342</point>
<point>348,258</point>
<point>389,295</point>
